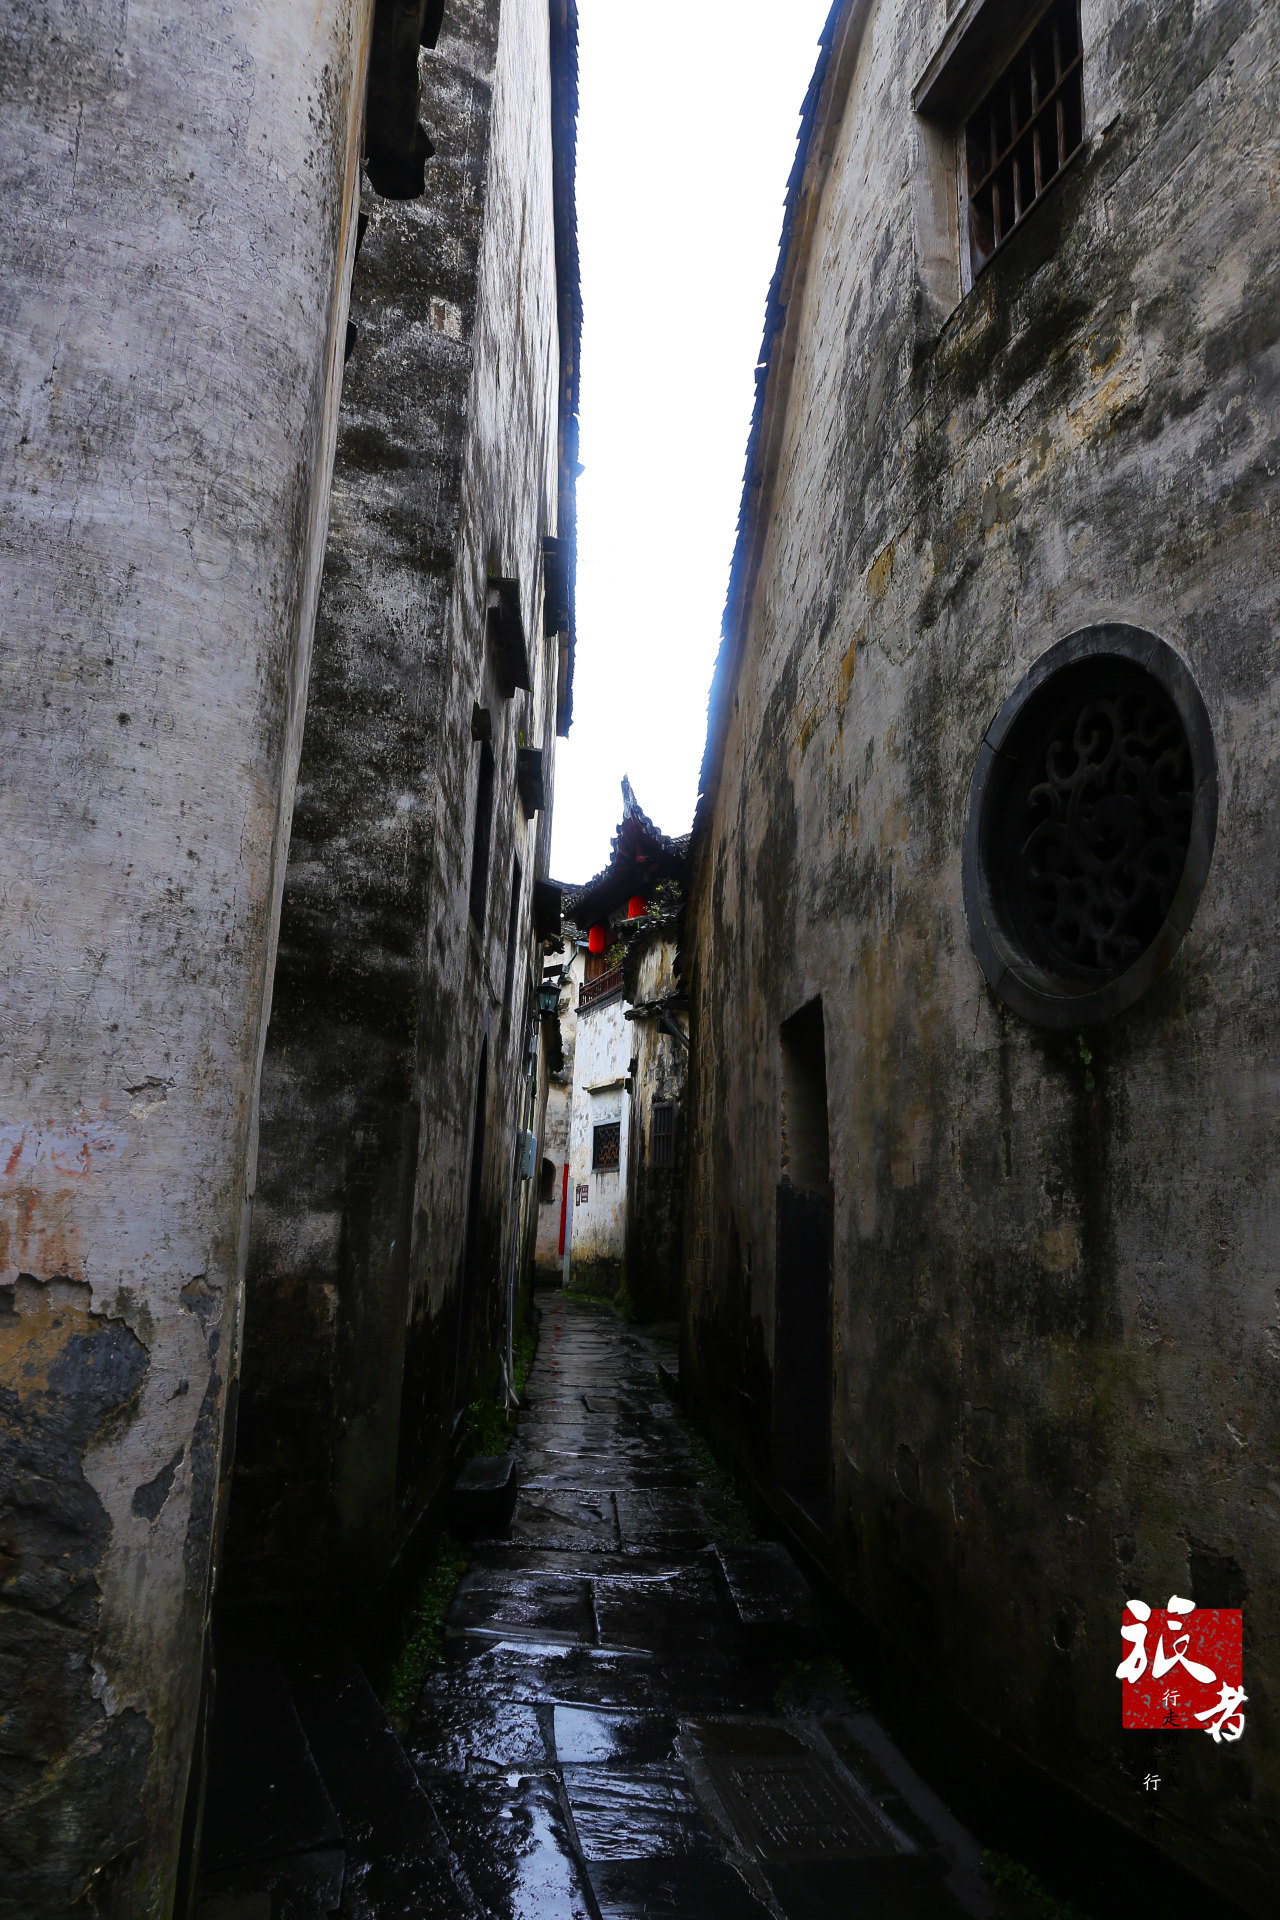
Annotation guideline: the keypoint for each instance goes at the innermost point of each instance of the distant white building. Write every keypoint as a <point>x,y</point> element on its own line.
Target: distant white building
<point>597,1146</point>
<point>598,1134</point>
<point>565,967</point>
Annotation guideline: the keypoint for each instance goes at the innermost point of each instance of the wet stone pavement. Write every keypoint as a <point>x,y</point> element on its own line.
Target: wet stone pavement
<point>607,1736</point>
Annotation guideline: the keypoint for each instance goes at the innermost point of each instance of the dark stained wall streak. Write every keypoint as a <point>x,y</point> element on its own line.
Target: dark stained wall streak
<point>1055,1326</point>
<point>358,1348</point>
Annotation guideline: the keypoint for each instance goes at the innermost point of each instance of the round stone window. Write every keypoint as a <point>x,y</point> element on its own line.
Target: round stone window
<point>1092,815</point>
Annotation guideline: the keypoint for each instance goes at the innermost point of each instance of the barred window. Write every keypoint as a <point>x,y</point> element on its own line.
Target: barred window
<point>606,1146</point>
<point>1092,813</point>
<point>662,1134</point>
<point>1024,132</point>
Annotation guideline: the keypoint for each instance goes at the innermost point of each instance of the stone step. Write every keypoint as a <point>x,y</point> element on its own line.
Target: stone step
<point>483,1499</point>
<point>400,1865</point>
<point>272,1840</point>
<point>770,1602</point>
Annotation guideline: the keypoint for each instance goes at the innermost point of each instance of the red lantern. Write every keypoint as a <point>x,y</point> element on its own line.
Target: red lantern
<point>636,908</point>
<point>595,940</point>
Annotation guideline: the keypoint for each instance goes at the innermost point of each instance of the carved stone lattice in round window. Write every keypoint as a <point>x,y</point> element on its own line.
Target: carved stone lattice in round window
<point>1092,815</point>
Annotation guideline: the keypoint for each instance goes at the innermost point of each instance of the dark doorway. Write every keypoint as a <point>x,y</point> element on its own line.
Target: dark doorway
<point>802,1331</point>
<point>471,1244</point>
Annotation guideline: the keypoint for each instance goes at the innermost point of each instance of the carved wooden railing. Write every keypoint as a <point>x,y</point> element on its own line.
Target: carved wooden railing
<point>605,986</point>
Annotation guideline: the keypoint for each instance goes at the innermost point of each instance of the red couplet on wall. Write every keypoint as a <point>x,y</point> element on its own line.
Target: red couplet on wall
<point>595,940</point>
<point>636,908</point>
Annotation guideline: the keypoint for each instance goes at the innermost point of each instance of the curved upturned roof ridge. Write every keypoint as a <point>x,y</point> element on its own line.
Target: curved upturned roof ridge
<point>640,855</point>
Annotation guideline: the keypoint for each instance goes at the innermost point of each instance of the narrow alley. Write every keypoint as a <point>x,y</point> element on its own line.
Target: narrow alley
<point>608,1735</point>
<point>603,1318</point>
<point>641,1713</point>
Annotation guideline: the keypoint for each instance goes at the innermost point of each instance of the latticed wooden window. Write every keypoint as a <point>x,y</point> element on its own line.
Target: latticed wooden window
<point>1024,132</point>
<point>606,1146</point>
<point>662,1134</point>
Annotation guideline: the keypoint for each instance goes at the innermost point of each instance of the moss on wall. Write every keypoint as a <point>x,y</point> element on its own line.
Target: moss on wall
<point>1054,1377</point>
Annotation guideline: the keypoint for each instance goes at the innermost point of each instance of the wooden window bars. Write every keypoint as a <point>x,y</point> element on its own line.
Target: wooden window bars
<point>606,1147</point>
<point>1024,132</point>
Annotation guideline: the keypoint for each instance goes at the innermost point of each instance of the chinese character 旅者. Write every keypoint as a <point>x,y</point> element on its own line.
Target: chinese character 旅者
<point>1134,1664</point>
<point>1227,1721</point>
<point>1163,1661</point>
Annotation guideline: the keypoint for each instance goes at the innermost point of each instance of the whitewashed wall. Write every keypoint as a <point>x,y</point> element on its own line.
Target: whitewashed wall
<point>602,1051</point>
<point>556,1127</point>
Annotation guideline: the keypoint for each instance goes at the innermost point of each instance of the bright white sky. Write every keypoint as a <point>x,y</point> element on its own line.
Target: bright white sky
<point>686,136</point>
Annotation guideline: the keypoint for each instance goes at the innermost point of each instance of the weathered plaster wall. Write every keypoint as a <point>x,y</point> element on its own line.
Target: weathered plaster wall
<point>178,218</point>
<point>509,500</point>
<point>655,1194</point>
<point>555,1132</point>
<point>384,997</point>
<point>602,1051</point>
<point>1056,1285</point>
<point>555,1148</point>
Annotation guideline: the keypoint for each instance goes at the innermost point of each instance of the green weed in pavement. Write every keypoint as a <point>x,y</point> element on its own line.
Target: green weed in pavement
<point>730,1520</point>
<point>526,1346</point>
<point>800,1676</point>
<point>422,1631</point>
<point>1010,1876</point>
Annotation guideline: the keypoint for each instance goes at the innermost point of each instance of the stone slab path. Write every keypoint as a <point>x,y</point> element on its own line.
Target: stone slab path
<point>634,1719</point>
<point>607,1738</point>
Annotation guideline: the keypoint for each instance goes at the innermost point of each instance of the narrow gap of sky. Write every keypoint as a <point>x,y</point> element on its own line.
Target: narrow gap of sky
<point>685,143</point>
